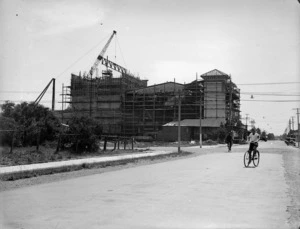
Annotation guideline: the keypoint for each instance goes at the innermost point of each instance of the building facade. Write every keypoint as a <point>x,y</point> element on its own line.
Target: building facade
<point>127,106</point>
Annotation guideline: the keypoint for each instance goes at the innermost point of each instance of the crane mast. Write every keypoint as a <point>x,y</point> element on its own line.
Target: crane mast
<point>100,56</point>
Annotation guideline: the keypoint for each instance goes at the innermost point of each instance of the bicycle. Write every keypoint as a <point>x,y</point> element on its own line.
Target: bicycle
<point>249,157</point>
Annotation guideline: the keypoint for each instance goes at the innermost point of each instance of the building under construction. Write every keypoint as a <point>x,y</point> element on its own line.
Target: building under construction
<point>125,105</point>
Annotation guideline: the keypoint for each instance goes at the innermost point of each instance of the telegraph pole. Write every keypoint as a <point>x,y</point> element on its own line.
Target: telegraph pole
<point>200,115</point>
<point>53,94</point>
<point>298,125</point>
<point>179,119</point>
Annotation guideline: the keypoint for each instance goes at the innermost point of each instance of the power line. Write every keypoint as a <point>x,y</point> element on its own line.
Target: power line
<point>93,48</point>
<point>280,83</point>
<point>267,94</point>
<point>27,92</point>
<point>252,100</point>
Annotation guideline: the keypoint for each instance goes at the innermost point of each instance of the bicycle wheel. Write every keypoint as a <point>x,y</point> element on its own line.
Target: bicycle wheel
<point>256,159</point>
<point>246,159</point>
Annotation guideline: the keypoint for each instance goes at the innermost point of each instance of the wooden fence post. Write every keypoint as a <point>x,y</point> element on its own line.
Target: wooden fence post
<point>76,143</point>
<point>38,139</point>
<point>58,143</point>
<point>132,139</point>
<point>105,142</point>
<point>12,142</point>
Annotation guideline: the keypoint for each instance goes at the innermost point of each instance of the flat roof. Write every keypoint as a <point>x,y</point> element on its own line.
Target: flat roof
<point>208,122</point>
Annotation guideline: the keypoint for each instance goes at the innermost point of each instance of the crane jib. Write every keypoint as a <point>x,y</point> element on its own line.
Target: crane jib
<point>99,57</point>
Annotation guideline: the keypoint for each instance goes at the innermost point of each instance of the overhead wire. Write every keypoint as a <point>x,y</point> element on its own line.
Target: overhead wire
<point>85,54</point>
<point>275,83</point>
<point>253,100</point>
<point>121,52</point>
<point>266,94</point>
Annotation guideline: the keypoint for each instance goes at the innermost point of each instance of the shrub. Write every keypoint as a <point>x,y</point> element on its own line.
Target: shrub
<point>6,136</point>
<point>87,130</point>
<point>32,121</point>
<point>210,142</point>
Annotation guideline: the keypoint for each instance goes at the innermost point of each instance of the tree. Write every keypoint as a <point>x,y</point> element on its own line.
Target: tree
<point>258,131</point>
<point>87,131</point>
<point>222,134</point>
<point>33,120</point>
<point>8,125</point>
<point>271,136</point>
<point>7,109</point>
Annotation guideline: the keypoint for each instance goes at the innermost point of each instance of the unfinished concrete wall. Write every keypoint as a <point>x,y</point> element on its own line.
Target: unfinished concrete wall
<point>214,99</point>
<point>102,98</point>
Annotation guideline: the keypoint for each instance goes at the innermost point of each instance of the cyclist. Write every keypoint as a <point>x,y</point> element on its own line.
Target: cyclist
<point>253,138</point>
<point>229,141</point>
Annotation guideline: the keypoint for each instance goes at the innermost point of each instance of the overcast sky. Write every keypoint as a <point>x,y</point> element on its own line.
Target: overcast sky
<point>255,41</point>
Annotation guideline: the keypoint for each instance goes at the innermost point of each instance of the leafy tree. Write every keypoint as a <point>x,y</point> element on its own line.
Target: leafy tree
<point>7,109</point>
<point>88,131</point>
<point>222,134</point>
<point>33,120</point>
<point>258,131</point>
<point>264,136</point>
<point>6,126</point>
<point>271,136</point>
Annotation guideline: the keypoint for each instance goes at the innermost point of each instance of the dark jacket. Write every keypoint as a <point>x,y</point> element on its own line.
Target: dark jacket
<point>228,138</point>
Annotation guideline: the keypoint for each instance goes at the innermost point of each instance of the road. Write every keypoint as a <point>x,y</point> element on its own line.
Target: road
<point>214,190</point>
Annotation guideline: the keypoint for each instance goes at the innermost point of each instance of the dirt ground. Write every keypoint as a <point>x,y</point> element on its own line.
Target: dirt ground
<point>291,163</point>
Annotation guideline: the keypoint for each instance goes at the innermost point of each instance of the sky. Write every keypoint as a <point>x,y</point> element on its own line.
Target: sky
<point>255,41</point>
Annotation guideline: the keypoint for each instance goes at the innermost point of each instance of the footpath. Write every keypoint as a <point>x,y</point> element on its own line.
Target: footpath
<point>23,171</point>
<point>29,170</point>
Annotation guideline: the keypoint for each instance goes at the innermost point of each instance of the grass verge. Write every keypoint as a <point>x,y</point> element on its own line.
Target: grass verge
<point>40,172</point>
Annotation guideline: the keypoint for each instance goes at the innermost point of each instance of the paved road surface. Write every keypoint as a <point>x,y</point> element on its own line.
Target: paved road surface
<point>208,191</point>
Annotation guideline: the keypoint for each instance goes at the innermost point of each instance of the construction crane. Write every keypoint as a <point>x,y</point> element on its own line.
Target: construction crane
<point>36,102</point>
<point>100,56</point>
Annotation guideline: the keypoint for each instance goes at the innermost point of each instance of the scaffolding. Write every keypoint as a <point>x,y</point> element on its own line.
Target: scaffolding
<point>126,106</point>
<point>100,98</point>
<point>147,109</point>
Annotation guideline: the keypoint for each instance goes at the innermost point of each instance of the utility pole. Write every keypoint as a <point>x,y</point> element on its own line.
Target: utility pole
<point>91,87</point>
<point>62,104</point>
<point>179,119</point>
<point>53,94</point>
<point>200,115</point>
<point>298,125</point>
<point>230,104</point>
<point>200,122</point>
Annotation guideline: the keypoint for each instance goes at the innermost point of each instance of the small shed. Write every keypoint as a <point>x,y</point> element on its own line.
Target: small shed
<point>189,129</point>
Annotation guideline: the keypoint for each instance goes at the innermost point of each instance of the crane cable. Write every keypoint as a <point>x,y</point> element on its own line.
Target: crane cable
<point>121,53</point>
<point>85,54</point>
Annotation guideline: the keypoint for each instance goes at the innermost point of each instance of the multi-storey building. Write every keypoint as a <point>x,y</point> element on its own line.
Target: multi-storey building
<point>127,106</point>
